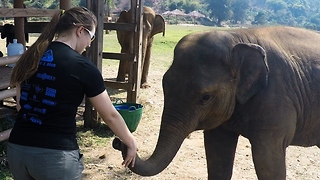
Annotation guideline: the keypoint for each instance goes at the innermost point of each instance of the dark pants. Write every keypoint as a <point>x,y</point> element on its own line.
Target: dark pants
<point>28,163</point>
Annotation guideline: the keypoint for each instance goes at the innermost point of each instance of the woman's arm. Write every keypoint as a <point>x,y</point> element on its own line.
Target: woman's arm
<point>4,135</point>
<point>18,93</point>
<point>114,120</point>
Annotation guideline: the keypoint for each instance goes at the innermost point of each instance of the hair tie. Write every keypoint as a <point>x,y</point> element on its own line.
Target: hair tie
<point>62,12</point>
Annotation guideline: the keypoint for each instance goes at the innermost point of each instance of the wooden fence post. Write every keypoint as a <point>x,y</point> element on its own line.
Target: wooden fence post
<point>94,53</point>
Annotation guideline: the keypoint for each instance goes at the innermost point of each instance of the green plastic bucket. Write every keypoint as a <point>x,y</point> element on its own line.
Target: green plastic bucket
<point>131,113</point>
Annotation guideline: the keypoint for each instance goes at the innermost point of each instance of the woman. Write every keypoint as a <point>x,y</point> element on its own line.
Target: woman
<point>52,78</point>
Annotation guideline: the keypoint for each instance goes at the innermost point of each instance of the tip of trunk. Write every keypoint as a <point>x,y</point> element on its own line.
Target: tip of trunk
<point>149,171</point>
<point>165,150</point>
<point>117,144</point>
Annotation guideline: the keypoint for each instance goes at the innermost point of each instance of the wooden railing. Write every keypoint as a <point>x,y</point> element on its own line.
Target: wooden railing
<point>5,73</point>
<point>27,12</point>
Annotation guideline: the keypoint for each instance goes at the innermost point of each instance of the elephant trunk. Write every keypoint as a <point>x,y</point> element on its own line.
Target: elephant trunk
<point>169,142</point>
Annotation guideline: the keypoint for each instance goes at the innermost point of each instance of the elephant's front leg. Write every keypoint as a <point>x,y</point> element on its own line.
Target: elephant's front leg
<point>146,65</point>
<point>123,70</point>
<point>220,146</point>
<point>269,158</point>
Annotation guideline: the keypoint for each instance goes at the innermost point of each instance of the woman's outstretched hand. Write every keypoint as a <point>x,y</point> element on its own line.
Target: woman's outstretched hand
<point>131,157</point>
<point>129,154</point>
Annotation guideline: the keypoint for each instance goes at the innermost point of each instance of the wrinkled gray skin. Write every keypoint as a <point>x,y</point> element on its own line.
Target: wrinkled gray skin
<point>263,84</point>
<point>152,25</point>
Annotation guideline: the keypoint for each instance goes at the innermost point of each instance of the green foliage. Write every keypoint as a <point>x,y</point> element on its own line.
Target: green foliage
<point>190,5</point>
<point>298,10</point>
<point>240,8</point>
<point>80,3</point>
<point>260,18</point>
<point>220,9</point>
<point>6,4</point>
<point>277,5</point>
<point>186,5</point>
<point>5,175</point>
<point>285,12</point>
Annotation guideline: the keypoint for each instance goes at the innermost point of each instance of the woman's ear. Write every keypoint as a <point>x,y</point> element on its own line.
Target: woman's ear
<point>78,31</point>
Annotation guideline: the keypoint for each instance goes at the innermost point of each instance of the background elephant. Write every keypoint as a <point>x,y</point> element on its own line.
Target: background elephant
<point>261,83</point>
<point>152,24</point>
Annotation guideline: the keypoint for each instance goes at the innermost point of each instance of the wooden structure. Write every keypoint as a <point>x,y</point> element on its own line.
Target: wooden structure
<point>134,80</point>
<point>94,53</point>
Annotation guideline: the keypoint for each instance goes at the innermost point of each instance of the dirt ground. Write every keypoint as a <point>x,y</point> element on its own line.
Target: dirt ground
<point>190,162</point>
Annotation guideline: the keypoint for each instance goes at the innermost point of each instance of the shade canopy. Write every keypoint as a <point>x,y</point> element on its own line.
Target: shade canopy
<point>175,12</point>
<point>195,14</point>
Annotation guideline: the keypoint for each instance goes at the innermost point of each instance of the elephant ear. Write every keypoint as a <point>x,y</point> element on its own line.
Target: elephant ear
<point>250,60</point>
<point>7,29</point>
<point>123,16</point>
<point>158,26</point>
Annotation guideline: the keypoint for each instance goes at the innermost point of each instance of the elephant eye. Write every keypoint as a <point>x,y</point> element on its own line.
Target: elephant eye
<point>205,98</point>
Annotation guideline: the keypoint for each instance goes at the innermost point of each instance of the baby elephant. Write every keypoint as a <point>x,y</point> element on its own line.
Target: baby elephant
<point>152,25</point>
<point>261,83</point>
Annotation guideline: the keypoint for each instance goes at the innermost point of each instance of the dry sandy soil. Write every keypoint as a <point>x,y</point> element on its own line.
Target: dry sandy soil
<point>190,162</point>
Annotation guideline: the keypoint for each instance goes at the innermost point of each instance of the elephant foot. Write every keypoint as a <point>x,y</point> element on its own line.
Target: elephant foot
<point>145,85</point>
<point>121,79</point>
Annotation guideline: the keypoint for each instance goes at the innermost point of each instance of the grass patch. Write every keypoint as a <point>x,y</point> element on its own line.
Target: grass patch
<point>162,48</point>
<point>5,175</point>
<point>97,137</point>
<point>4,168</point>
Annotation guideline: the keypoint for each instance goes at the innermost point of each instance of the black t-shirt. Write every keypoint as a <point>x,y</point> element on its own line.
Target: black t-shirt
<point>50,98</point>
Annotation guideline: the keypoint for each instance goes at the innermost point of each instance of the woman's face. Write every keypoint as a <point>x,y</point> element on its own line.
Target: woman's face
<point>85,38</point>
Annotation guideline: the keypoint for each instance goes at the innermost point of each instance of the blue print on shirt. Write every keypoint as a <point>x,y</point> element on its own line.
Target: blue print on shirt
<point>25,86</point>
<point>51,92</point>
<point>48,64</point>
<point>40,110</point>
<point>27,106</point>
<point>37,88</point>
<point>45,76</point>
<point>49,102</point>
<point>24,95</point>
<point>48,56</point>
<point>35,120</point>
